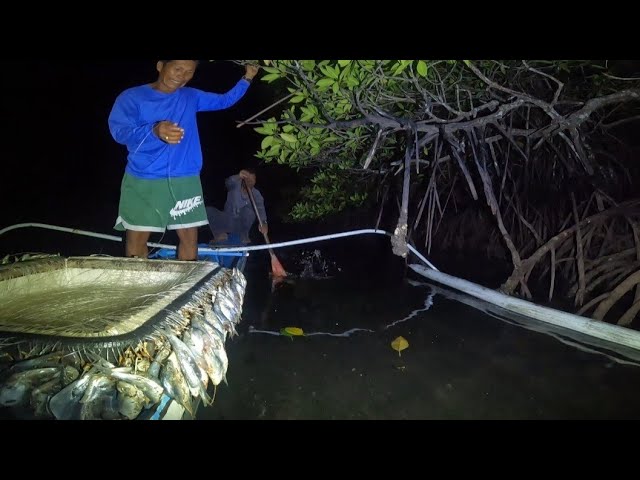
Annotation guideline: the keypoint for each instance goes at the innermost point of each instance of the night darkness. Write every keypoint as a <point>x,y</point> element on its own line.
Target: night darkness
<point>62,166</point>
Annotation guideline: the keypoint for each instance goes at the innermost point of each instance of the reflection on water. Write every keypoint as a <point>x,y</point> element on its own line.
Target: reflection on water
<point>461,363</point>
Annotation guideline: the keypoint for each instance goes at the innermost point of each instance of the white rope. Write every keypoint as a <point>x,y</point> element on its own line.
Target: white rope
<point>342,334</point>
<point>428,302</point>
<point>221,250</point>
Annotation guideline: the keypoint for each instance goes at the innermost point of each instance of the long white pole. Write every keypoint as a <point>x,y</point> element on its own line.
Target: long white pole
<point>594,328</point>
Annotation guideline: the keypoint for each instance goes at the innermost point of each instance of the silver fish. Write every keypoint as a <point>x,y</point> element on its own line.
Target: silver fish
<point>217,335</point>
<point>214,348</point>
<point>100,388</point>
<point>17,388</point>
<point>49,360</point>
<point>217,360</point>
<point>175,384</point>
<point>214,320</point>
<point>225,316</point>
<point>65,405</point>
<point>226,302</point>
<point>224,319</point>
<point>149,387</point>
<point>97,383</point>
<point>239,277</point>
<point>212,365</point>
<point>161,357</point>
<point>233,294</point>
<point>194,344</point>
<point>238,288</point>
<point>189,367</point>
<point>41,395</point>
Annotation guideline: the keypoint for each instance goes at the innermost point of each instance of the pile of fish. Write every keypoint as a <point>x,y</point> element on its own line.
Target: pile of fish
<point>181,360</point>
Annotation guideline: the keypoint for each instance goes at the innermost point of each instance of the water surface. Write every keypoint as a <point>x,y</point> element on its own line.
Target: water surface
<point>461,363</point>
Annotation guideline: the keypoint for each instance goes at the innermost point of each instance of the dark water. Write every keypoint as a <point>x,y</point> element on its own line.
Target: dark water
<point>460,364</point>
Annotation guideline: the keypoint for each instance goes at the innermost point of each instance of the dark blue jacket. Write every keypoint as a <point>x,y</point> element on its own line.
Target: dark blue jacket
<point>237,200</point>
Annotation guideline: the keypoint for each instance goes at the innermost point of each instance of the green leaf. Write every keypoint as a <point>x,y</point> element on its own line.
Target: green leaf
<point>333,72</point>
<point>283,156</point>
<point>344,63</point>
<point>297,99</point>
<point>401,66</point>
<point>422,68</point>
<point>308,65</point>
<point>287,137</point>
<point>271,77</point>
<point>266,141</point>
<point>352,81</point>
<point>273,151</point>
<point>325,82</point>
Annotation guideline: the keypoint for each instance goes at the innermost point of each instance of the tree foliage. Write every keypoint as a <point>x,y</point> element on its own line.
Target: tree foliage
<point>532,143</point>
<point>360,115</point>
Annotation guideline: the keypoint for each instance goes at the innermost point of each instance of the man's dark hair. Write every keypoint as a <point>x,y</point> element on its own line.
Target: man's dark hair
<point>167,61</point>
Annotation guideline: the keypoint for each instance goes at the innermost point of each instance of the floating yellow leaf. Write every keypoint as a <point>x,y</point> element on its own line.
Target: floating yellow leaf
<point>293,331</point>
<point>399,344</point>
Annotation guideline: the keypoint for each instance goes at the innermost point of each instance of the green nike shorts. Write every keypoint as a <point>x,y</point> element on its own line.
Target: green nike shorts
<point>157,205</point>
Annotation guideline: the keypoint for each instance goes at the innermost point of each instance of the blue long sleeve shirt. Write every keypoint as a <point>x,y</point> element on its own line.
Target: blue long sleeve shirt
<point>137,109</point>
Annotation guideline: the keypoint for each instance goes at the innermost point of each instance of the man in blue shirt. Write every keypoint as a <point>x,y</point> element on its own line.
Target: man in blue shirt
<point>238,215</point>
<point>161,187</point>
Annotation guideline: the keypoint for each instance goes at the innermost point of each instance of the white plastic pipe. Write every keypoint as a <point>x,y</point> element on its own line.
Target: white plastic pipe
<point>218,250</point>
<point>76,231</point>
<point>317,239</point>
<point>593,328</point>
